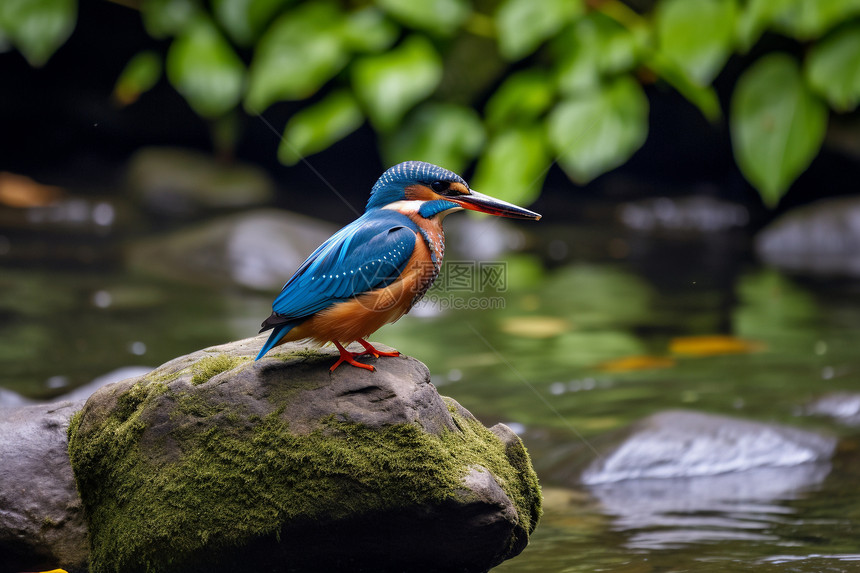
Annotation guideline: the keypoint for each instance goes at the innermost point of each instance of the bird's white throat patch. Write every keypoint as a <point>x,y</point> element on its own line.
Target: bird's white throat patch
<point>411,207</point>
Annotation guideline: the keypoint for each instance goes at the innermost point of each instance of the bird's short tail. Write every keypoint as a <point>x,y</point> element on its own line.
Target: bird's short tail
<point>278,332</point>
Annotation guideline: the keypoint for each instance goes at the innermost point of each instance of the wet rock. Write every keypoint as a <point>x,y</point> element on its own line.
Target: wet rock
<point>694,214</point>
<point>259,250</point>
<point>818,239</point>
<point>682,477</point>
<point>844,407</point>
<point>182,182</point>
<point>69,229</point>
<point>41,519</point>
<point>223,463</point>
<point>682,444</point>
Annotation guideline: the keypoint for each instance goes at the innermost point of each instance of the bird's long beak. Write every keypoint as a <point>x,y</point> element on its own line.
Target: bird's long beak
<point>486,204</point>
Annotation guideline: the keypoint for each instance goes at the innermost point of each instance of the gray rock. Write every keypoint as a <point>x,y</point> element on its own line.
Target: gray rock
<point>258,250</point>
<point>683,477</point>
<point>818,239</point>
<point>694,214</point>
<point>11,399</point>
<point>682,444</point>
<point>181,182</point>
<point>222,463</point>
<point>844,407</point>
<point>41,520</point>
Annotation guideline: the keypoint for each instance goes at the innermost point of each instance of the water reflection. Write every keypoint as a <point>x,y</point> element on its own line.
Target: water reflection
<point>670,513</point>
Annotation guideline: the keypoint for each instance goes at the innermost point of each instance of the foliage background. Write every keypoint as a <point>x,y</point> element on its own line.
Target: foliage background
<point>510,87</point>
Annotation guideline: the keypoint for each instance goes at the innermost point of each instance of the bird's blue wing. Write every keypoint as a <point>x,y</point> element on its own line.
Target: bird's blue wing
<point>369,253</point>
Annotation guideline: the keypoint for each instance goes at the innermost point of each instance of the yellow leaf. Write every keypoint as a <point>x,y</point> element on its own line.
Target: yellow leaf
<point>21,191</point>
<point>713,345</point>
<point>634,363</point>
<point>535,326</point>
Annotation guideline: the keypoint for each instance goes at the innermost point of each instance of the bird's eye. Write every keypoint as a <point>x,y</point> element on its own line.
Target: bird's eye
<point>439,186</point>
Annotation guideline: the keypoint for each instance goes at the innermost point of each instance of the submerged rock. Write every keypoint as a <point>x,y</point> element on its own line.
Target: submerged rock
<point>215,462</point>
<point>693,214</point>
<point>682,444</point>
<point>41,520</point>
<point>844,407</point>
<point>181,182</point>
<point>818,239</point>
<point>680,478</point>
<point>259,249</point>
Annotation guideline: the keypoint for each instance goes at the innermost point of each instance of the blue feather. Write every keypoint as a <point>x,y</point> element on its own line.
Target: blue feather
<point>431,208</point>
<point>277,334</point>
<point>369,253</point>
<point>391,186</point>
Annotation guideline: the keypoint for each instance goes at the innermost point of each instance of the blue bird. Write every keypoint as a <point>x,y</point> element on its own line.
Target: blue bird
<point>372,271</point>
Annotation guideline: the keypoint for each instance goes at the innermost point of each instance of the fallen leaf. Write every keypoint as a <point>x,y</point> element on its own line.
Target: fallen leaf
<point>634,363</point>
<point>535,326</point>
<point>713,345</point>
<point>21,191</point>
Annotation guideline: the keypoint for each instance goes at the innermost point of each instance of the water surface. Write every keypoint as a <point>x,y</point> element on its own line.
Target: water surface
<point>564,353</point>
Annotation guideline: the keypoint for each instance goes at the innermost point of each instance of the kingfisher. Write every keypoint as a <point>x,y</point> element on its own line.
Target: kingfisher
<point>373,270</point>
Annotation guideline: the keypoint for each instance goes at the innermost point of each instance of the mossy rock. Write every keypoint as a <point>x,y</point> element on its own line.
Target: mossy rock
<point>215,462</point>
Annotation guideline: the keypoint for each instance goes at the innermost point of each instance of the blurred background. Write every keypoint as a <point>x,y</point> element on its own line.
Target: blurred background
<point>165,165</point>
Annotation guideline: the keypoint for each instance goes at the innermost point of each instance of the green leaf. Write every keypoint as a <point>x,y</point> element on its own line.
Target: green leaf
<point>522,98</point>
<point>244,20</point>
<point>514,165</point>
<point>318,126</point>
<point>164,18</point>
<point>392,83</point>
<point>140,74</point>
<point>37,27</point>
<point>202,67</point>
<point>524,24</point>
<point>442,17</point>
<point>445,134</point>
<point>594,47</point>
<point>755,17</point>
<point>698,35</point>
<point>777,125</point>
<point>599,130</point>
<point>833,68</point>
<point>810,19</point>
<point>703,97</point>
<point>299,53</point>
<point>368,30</point>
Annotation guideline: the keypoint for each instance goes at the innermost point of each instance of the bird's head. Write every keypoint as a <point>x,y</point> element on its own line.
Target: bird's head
<point>430,190</point>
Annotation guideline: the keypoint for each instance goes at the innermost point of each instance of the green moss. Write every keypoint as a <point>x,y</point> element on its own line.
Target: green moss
<point>48,523</point>
<point>229,486</point>
<point>196,405</point>
<point>512,467</point>
<point>206,368</point>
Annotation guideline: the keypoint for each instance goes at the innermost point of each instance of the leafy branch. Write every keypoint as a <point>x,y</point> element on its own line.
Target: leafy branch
<point>562,79</point>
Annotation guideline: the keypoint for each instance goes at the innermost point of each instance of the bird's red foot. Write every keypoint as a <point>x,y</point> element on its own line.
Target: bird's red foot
<point>369,349</point>
<point>349,358</point>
